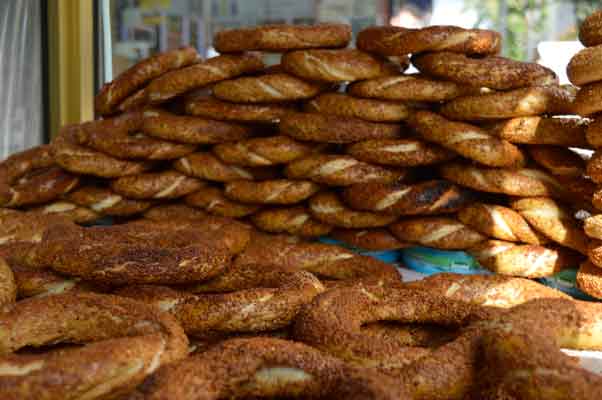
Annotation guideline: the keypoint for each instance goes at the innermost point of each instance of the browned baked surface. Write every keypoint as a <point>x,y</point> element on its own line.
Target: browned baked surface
<point>397,41</point>
<point>280,38</point>
<point>345,65</point>
<point>594,167</point>
<point>559,161</point>
<point>262,151</point>
<point>367,109</point>
<point>429,197</point>
<point>588,99</point>
<point>8,286</point>
<point>213,108</point>
<point>173,212</point>
<point>589,279</point>
<point>376,239</point>
<point>400,152</point>
<point>292,220</point>
<point>275,191</point>
<point>156,185</point>
<point>558,131</point>
<point>105,201</point>
<point>213,200</point>
<point>590,31</point>
<point>522,102</point>
<point>208,167</point>
<point>582,68</point>
<point>334,129</point>
<point>438,232</point>
<point>76,213</point>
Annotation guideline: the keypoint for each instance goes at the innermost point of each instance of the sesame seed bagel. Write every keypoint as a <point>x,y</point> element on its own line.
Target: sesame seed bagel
<point>173,211</point>
<point>106,202</point>
<point>213,201</point>
<point>328,208</point>
<point>559,161</point>
<point>156,185</point>
<point>557,131</point>
<point>69,210</point>
<point>590,31</point>
<point>8,286</point>
<point>275,191</point>
<point>377,239</point>
<point>367,109</point>
<point>582,67</point>
<point>208,167</point>
<point>262,151</point>
<point>589,279</point>
<point>400,152</point>
<point>293,220</point>
<point>588,99</point>
<point>437,232</point>
<point>213,108</point>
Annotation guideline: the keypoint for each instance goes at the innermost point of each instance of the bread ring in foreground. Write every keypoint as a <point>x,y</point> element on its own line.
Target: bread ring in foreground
<point>589,279</point>
<point>280,38</point>
<point>430,197</point>
<point>397,41</point>
<point>328,208</point>
<point>78,159</point>
<point>28,227</point>
<point>557,131</point>
<point>437,232</point>
<point>345,105</point>
<point>294,220</point>
<point>38,187</point>
<point>17,165</point>
<point>175,211</point>
<point>594,167</point>
<point>266,368</point>
<point>71,211</point>
<point>212,200</point>
<point>408,88</point>
<point>106,202</point>
<point>212,108</point>
<point>276,191</point>
<point>467,140</point>
<point>541,371</point>
<point>486,290</point>
<point>588,99</point>
<point>369,239</point>
<point>491,72</point>
<point>168,126</point>
<point>553,221</point>
<point>262,151</point>
<point>114,92</point>
<point>523,182</point>
<point>268,302</point>
<point>523,102</point>
<point>156,185</point>
<point>266,88</point>
<point>208,167</point>
<point>143,253</point>
<point>559,161</point>
<point>595,252</point>
<point>529,261</point>
<point>212,70</point>
<point>328,262</point>
<point>400,152</point>
<point>341,170</point>
<point>590,31</point>
<point>334,129</point>
<point>581,69</point>
<point>593,226</point>
<point>123,342</point>
<point>333,321</point>
<point>346,65</point>
<point>8,286</point>
<point>500,222</point>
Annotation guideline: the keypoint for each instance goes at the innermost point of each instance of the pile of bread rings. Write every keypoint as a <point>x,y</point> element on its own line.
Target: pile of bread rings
<point>167,249</point>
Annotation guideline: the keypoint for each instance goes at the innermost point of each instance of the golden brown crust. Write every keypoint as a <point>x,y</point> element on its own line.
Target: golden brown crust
<point>582,68</point>
<point>437,232</point>
<point>212,108</point>
<point>275,191</point>
<point>397,41</point>
<point>523,182</point>
<point>28,227</point>
<point>400,152</point>
<point>590,31</point>
<point>593,226</point>
<point>293,220</point>
<point>594,133</point>
<point>8,286</point>
<point>156,185</point>
<point>346,65</point>
<point>328,208</point>
<point>69,210</point>
<point>529,261</point>
<point>20,164</point>
<point>326,261</point>
<point>193,130</point>
<point>522,102</point>
<point>279,87</point>
<point>594,167</point>
<point>430,197</point>
<point>341,170</point>
<point>212,200</point>
<point>491,72</point>
<point>467,140</point>
<point>114,92</point>
<point>150,252</point>
<point>558,131</point>
<point>376,239</point>
<point>262,151</point>
<point>267,367</point>
<point>589,279</point>
<point>78,159</point>
<point>486,290</point>
<point>558,161</point>
<point>345,105</point>
<point>500,222</point>
<point>106,202</point>
<point>333,321</point>
<point>173,212</point>
<point>334,129</point>
<point>183,80</point>
<point>207,166</point>
<point>408,88</point>
<point>131,341</point>
<point>280,38</point>
<point>553,221</point>
<point>588,99</point>
<point>270,303</point>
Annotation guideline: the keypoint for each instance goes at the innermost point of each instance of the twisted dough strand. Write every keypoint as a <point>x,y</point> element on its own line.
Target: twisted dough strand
<point>437,232</point>
<point>262,151</point>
